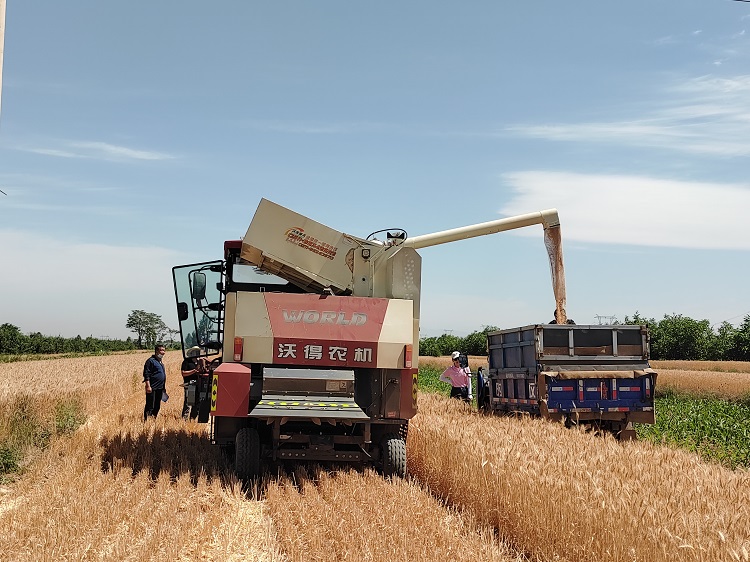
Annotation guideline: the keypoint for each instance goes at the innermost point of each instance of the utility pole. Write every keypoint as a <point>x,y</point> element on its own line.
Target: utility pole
<point>605,319</point>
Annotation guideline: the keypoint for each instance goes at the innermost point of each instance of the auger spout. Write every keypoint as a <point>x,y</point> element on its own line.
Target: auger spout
<point>547,218</point>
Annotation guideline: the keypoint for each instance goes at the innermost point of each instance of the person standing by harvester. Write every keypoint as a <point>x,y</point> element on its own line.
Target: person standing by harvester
<point>192,369</point>
<point>459,377</point>
<point>155,379</point>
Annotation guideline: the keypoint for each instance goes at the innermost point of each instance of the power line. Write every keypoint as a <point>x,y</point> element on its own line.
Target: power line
<point>748,312</point>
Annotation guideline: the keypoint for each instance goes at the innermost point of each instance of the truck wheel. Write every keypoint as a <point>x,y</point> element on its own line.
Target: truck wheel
<point>627,433</point>
<point>247,453</point>
<point>394,455</point>
<point>484,404</point>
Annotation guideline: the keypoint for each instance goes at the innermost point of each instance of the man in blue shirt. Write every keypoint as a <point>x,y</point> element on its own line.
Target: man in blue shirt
<point>155,378</point>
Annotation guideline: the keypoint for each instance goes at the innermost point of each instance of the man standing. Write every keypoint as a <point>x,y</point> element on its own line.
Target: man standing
<point>155,378</point>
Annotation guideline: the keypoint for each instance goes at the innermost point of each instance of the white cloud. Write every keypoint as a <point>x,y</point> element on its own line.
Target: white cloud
<point>53,152</point>
<point>66,287</point>
<point>666,40</point>
<point>96,150</point>
<point>636,210</point>
<point>112,150</point>
<point>706,115</point>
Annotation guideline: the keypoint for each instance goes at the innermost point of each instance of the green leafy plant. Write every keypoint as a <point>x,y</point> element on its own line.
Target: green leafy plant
<point>69,415</point>
<point>716,429</point>
<point>10,458</point>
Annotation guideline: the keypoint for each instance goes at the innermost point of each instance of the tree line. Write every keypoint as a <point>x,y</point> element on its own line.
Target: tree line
<point>674,337</point>
<point>15,342</point>
<point>149,329</point>
<point>679,337</point>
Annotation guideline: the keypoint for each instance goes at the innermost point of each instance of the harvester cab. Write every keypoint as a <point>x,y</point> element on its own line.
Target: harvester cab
<point>313,336</point>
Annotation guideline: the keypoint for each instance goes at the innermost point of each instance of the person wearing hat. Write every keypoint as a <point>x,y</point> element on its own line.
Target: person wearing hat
<point>191,371</point>
<point>458,377</point>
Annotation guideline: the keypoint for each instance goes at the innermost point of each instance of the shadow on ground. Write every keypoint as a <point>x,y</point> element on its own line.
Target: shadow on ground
<point>170,451</point>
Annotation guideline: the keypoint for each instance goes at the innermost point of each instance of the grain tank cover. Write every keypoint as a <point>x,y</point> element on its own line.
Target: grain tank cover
<point>305,252</point>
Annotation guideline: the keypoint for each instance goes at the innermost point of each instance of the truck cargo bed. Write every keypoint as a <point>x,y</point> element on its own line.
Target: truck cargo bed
<point>572,373</point>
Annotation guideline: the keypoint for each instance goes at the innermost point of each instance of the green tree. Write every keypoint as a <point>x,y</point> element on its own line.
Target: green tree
<point>722,344</point>
<point>429,347</point>
<point>448,343</point>
<point>741,336</point>
<point>683,338</point>
<point>148,327</point>
<point>476,342</point>
<point>11,339</point>
<point>678,337</point>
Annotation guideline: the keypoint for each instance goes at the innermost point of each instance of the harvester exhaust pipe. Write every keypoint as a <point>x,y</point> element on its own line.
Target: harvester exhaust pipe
<point>547,218</point>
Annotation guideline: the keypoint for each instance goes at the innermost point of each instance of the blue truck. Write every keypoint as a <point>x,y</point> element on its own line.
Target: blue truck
<point>592,375</point>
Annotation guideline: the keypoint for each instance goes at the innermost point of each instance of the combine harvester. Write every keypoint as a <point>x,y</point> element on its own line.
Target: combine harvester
<point>312,337</point>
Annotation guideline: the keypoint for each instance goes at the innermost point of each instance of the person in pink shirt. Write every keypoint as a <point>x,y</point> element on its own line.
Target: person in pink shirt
<point>459,378</point>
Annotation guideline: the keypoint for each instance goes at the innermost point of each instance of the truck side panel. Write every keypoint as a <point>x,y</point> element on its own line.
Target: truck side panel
<point>564,371</point>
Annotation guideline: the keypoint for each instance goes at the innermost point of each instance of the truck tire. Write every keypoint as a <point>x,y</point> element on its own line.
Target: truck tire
<point>394,455</point>
<point>484,406</point>
<point>247,454</point>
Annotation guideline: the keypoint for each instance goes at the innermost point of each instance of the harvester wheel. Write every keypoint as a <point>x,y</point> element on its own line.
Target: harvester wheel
<point>247,453</point>
<point>394,455</point>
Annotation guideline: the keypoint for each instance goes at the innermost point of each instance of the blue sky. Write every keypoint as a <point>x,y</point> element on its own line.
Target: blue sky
<point>135,136</point>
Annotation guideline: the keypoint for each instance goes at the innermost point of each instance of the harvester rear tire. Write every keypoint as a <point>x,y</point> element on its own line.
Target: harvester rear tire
<point>394,455</point>
<point>247,454</point>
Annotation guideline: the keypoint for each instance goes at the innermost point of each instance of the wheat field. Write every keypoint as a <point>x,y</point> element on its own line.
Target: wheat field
<point>714,366</point>
<point>724,379</point>
<point>570,495</point>
<point>482,488</point>
<point>119,489</point>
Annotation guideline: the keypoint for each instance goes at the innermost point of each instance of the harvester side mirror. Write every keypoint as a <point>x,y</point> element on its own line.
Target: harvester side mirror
<point>199,286</point>
<point>182,311</point>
